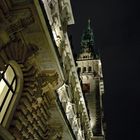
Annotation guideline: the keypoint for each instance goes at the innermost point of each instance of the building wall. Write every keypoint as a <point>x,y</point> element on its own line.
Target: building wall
<point>93,91</point>
<point>48,102</point>
<point>70,93</point>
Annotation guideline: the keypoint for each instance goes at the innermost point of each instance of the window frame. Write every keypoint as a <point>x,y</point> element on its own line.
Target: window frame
<point>16,92</point>
<point>7,93</point>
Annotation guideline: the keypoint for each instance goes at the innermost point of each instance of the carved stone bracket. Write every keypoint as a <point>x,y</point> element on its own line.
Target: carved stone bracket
<point>16,50</point>
<point>14,19</point>
<point>48,76</point>
<point>20,24</point>
<point>55,132</point>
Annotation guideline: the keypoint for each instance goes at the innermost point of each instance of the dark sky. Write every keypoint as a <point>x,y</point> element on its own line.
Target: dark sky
<point>116,27</point>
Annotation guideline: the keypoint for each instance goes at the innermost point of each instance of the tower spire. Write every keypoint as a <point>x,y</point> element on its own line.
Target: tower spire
<point>89,24</point>
<point>87,41</point>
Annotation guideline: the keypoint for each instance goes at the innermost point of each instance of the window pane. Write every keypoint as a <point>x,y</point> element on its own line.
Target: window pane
<point>3,90</point>
<point>4,108</point>
<point>9,74</point>
<point>2,85</point>
<point>14,85</point>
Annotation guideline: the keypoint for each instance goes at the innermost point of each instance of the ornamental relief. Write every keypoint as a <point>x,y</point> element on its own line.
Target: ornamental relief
<point>19,22</point>
<point>62,12</point>
<point>34,102</point>
<point>15,20</point>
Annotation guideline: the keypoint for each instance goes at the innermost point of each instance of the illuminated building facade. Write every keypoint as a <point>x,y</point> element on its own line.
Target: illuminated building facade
<point>90,73</point>
<point>40,92</point>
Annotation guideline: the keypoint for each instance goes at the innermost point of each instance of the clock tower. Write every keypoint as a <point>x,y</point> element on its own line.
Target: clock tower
<point>89,69</point>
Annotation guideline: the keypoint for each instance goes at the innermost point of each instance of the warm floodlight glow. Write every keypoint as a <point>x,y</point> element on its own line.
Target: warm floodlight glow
<point>92,122</point>
<point>6,93</point>
<point>55,36</point>
<point>2,86</point>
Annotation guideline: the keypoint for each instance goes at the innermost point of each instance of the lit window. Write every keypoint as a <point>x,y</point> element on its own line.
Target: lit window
<point>7,89</point>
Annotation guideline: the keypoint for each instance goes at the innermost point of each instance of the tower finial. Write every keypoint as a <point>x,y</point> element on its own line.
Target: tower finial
<point>87,40</point>
<point>87,37</point>
<point>89,24</point>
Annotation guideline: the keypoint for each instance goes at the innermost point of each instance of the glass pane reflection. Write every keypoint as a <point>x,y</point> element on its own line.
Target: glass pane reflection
<point>9,75</point>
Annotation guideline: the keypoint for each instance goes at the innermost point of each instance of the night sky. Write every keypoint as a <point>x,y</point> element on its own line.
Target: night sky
<point>116,27</point>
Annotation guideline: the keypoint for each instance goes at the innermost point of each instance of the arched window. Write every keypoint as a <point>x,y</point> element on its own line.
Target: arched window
<point>89,69</point>
<point>10,85</point>
<point>7,89</point>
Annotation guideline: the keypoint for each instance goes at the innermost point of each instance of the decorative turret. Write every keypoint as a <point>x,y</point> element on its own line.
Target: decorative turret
<point>87,42</point>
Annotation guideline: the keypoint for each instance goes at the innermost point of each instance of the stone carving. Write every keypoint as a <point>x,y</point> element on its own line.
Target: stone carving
<point>54,133</point>
<point>62,96</point>
<point>69,110</point>
<point>52,5</point>
<point>20,24</point>
<point>48,76</point>
<point>30,109</point>
<point>16,50</point>
<point>15,20</point>
<point>65,17</point>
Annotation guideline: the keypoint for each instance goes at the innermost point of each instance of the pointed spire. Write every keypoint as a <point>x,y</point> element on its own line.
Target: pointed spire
<point>89,24</point>
<point>87,41</point>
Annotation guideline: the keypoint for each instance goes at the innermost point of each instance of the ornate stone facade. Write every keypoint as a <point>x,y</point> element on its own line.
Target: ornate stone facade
<point>43,100</point>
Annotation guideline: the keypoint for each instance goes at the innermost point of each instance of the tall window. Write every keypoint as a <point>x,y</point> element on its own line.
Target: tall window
<point>89,69</point>
<point>84,69</point>
<point>7,89</point>
<point>78,70</point>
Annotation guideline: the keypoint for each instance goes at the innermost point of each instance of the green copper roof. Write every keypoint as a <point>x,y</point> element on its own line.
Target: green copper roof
<point>87,39</point>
